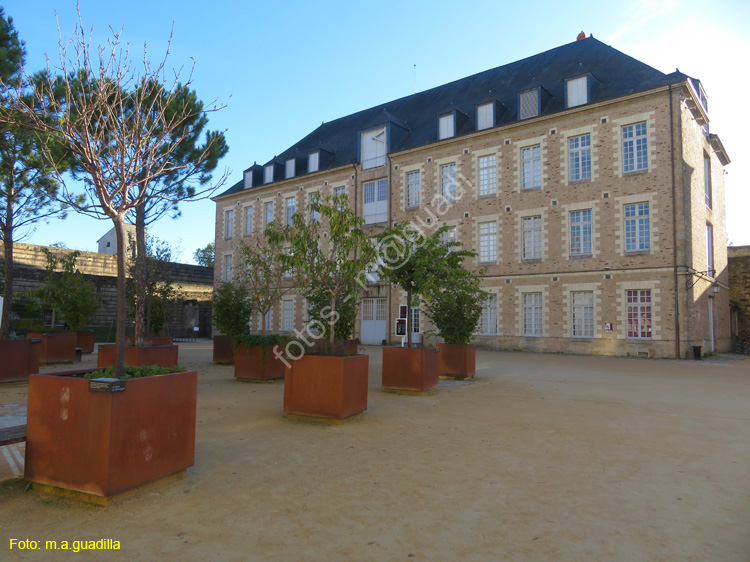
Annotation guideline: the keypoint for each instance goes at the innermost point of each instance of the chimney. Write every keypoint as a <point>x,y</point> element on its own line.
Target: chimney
<point>581,36</point>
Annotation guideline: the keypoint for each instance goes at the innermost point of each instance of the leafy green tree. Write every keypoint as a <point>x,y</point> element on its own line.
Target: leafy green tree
<point>326,252</point>
<point>205,256</point>
<point>67,291</point>
<point>231,309</point>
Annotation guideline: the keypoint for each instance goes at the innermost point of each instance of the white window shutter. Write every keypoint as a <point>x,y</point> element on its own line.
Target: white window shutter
<point>485,116</point>
<point>446,127</point>
<point>577,91</point>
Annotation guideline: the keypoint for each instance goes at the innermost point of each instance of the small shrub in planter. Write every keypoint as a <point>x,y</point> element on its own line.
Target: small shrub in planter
<point>231,315</point>
<point>254,358</point>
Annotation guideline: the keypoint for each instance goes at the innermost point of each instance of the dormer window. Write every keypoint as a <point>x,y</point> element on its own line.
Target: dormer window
<point>485,116</point>
<point>289,171</point>
<point>313,161</point>
<point>373,148</point>
<point>268,174</point>
<point>577,91</point>
<point>446,126</point>
<point>528,105</point>
<point>248,179</point>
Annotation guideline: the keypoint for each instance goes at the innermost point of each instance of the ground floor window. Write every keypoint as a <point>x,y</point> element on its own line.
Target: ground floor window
<point>488,321</point>
<point>639,314</point>
<point>532,314</point>
<point>582,314</point>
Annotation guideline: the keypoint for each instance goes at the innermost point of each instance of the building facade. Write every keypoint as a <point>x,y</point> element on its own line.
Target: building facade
<point>587,182</point>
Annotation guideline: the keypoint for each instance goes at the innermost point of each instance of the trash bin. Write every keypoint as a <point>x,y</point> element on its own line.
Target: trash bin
<point>697,352</point>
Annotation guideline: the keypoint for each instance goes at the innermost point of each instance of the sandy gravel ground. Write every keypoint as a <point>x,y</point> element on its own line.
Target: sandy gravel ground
<point>544,457</point>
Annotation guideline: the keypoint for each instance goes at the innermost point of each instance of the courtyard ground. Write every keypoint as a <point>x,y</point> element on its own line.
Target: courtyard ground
<point>542,457</point>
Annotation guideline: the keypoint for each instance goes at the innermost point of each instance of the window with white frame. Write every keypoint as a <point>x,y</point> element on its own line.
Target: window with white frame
<point>373,148</point>
<point>446,126</point>
<point>707,180</point>
<point>637,227</point>
<point>268,319</point>
<point>579,156</point>
<point>529,104</point>
<point>228,268</point>
<point>268,215</point>
<point>291,203</point>
<point>577,91</point>
<point>375,201</point>
<point>485,116</point>
<point>228,224</point>
<point>580,232</point>
<point>582,314</point>
<point>487,242</point>
<point>710,250</point>
<point>338,192</point>
<point>531,163</point>
<point>248,220</point>
<point>290,164</point>
<point>488,320</point>
<point>532,314</point>
<point>634,147</point>
<point>448,181</point>
<point>313,161</point>
<point>268,174</point>
<point>448,237</point>
<point>412,189</point>
<point>288,315</point>
<point>532,237</point>
<point>487,175</point>
<point>314,214</point>
<point>639,313</point>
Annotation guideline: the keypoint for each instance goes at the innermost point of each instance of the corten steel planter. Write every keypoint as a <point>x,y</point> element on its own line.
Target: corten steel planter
<point>322,387</point>
<point>410,370</point>
<point>152,340</point>
<point>85,340</point>
<point>136,355</point>
<point>104,443</point>
<point>456,360</point>
<point>257,363</point>
<point>19,359</point>
<point>223,349</point>
<point>58,347</point>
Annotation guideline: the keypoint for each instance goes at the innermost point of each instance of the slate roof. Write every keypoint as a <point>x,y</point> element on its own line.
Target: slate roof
<point>616,74</point>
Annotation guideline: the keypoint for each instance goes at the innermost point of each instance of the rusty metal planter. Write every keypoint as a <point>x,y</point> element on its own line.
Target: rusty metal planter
<point>319,386</point>
<point>257,363</point>
<point>85,340</point>
<point>58,347</point>
<point>136,355</point>
<point>456,360</point>
<point>410,370</point>
<point>152,340</point>
<point>102,444</point>
<point>19,359</point>
<point>223,349</point>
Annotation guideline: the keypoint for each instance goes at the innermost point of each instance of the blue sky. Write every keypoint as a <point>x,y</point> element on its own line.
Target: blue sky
<point>283,68</point>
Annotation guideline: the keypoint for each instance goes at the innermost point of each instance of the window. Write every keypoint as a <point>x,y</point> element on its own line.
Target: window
<point>707,180</point>
<point>582,314</point>
<point>313,160</point>
<point>532,238</point>
<point>446,126</point>
<point>248,220</point>
<point>634,147</point>
<point>637,228</point>
<point>485,116</point>
<point>314,214</point>
<point>448,182</point>
<point>268,174</point>
<point>290,206</point>
<point>412,189</point>
<point>228,224</point>
<point>531,161</point>
<point>288,316</point>
<point>375,199</point>
<point>639,314</point>
<point>487,242</point>
<point>268,319</point>
<point>529,104</point>
<point>269,213</point>
<point>449,237</point>
<point>487,175</point>
<point>228,267</point>
<point>532,314</point>
<point>373,148</point>
<point>580,233</point>
<point>579,149</point>
<point>710,250</point>
<point>338,192</point>
<point>577,91</point>
<point>290,168</point>
<point>488,320</point>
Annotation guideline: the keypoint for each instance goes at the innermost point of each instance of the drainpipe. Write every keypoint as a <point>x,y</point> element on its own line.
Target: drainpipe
<point>674,232</point>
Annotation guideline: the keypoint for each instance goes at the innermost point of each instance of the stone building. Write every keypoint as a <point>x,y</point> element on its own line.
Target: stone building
<point>588,183</point>
<point>739,291</point>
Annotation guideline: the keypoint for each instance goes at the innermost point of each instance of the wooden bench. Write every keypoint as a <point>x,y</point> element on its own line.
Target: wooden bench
<point>12,434</point>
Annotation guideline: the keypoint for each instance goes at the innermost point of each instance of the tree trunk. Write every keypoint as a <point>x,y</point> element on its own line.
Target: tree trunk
<point>408,317</point>
<point>332,322</point>
<point>8,279</point>
<point>140,273</point>
<point>263,322</point>
<point>120,322</point>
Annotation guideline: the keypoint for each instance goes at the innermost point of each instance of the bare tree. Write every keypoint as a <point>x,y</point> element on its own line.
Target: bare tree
<point>117,121</point>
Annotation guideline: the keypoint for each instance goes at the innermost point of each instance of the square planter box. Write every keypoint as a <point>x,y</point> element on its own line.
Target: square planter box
<point>101,443</point>
<point>410,370</point>
<point>85,340</point>
<point>56,347</point>
<point>20,358</point>
<point>136,355</point>
<point>223,350</point>
<point>323,387</point>
<point>456,360</point>
<point>257,363</point>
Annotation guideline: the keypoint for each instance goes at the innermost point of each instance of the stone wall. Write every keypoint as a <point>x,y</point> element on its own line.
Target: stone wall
<point>739,290</point>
